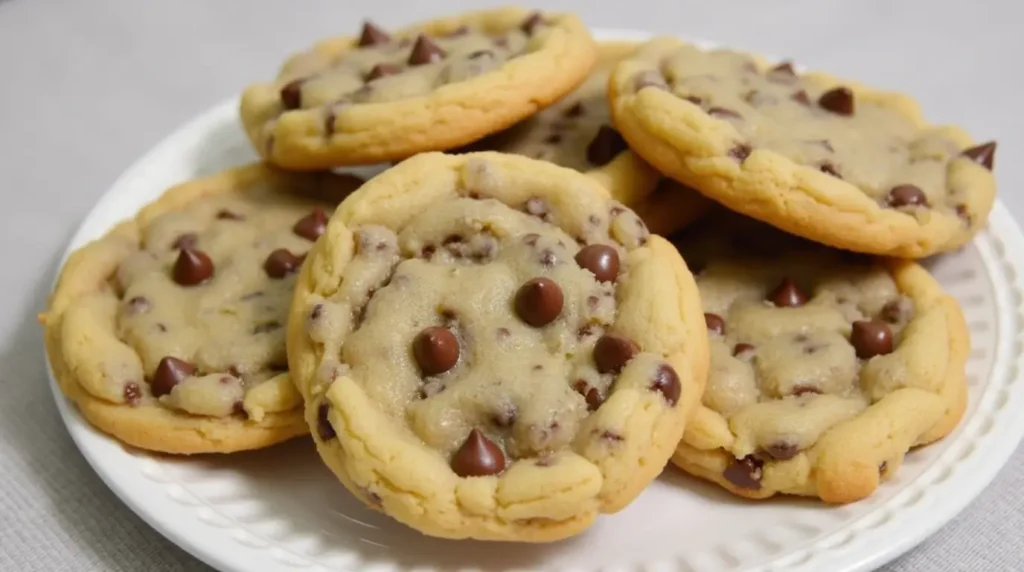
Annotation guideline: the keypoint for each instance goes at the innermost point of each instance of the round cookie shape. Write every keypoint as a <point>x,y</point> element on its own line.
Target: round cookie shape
<point>827,367</point>
<point>465,369</point>
<point>384,96</point>
<point>577,132</point>
<point>169,332</point>
<point>817,156</point>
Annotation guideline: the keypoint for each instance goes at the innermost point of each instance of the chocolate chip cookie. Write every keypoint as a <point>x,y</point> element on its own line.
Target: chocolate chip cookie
<point>384,96</point>
<point>817,156</point>
<point>489,347</point>
<point>168,332</point>
<point>826,367</point>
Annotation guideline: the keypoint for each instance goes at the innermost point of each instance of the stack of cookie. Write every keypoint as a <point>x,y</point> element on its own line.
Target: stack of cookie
<point>490,343</point>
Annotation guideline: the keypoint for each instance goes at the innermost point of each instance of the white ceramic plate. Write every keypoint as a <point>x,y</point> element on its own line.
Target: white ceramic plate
<point>279,509</point>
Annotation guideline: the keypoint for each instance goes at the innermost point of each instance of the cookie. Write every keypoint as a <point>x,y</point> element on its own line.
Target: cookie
<point>490,347</point>
<point>826,367</point>
<point>577,132</point>
<point>386,96</point>
<point>819,157</point>
<point>168,333</point>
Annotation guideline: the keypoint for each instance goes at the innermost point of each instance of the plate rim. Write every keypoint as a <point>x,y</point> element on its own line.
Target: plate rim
<point>987,452</point>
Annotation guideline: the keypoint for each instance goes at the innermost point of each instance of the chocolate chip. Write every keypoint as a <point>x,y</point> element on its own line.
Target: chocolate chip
<point>611,436</point>
<point>964,214</point>
<point>740,152</point>
<point>801,97</point>
<point>192,267</point>
<point>871,338</point>
<point>553,139</point>
<point>291,94</point>
<point>382,70</point>
<point>892,312</point>
<point>324,428</point>
<point>799,390</point>
<point>742,348</point>
<point>838,101</point>
<point>984,154</point>
<point>575,111</point>
<point>225,214</point>
<point>132,393</point>
<point>436,350</point>
<point>694,99</point>
<point>715,324</point>
<point>372,35</point>
<point>612,352</point>
<point>312,225</point>
<point>787,295</point>
<point>538,208</point>
<point>782,73</point>
<point>602,260</point>
<point>266,327</point>
<point>425,51</point>
<point>830,169</point>
<point>593,399</point>
<point>185,241</point>
<point>723,113</point>
<point>650,78</point>
<point>138,305</point>
<point>907,196</point>
<point>605,145</point>
<point>428,251</point>
<point>530,24</point>
<point>745,473</point>
<point>539,301</point>
<point>782,450</point>
<point>478,457</point>
<point>666,382</point>
<point>883,467</point>
<point>281,263</point>
<point>169,372</point>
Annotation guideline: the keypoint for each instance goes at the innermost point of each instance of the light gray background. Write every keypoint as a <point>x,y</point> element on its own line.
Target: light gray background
<point>87,87</point>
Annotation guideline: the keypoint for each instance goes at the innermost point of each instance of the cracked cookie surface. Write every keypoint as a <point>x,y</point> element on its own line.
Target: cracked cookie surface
<point>440,85</point>
<point>168,332</point>
<point>817,156</point>
<point>826,367</point>
<point>490,347</point>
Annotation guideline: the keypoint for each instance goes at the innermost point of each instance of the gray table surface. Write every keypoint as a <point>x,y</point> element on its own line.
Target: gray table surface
<point>87,87</point>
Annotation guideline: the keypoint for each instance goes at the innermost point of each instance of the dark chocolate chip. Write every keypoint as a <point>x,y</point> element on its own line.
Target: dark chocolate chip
<point>964,214</point>
<point>723,113</point>
<point>715,324</point>
<point>138,305</point>
<point>372,35</point>
<point>782,73</point>
<point>132,393</point>
<point>478,457</point>
<point>291,94</point>
<point>612,352</point>
<point>312,225</point>
<point>907,196</point>
<point>605,145</point>
<point>575,111</point>
<point>425,51</point>
<point>382,70</point>
<point>324,428</point>
<point>694,99</point>
<point>650,78</point>
<point>871,338</point>
<point>801,97</point>
<point>281,263</point>
<point>169,372</point>
<point>192,267</point>
<point>539,302</point>
<point>742,348</point>
<point>593,399</point>
<point>838,101</point>
<point>745,473</point>
<point>436,350</point>
<point>530,24</point>
<point>225,214</point>
<point>740,152</point>
<point>799,390</point>
<point>666,382</point>
<point>787,295</point>
<point>782,450</point>
<point>185,241</point>
<point>830,169</point>
<point>602,260</point>
<point>984,154</point>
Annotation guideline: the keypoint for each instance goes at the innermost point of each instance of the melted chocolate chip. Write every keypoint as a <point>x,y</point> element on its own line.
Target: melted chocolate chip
<point>871,338</point>
<point>964,214</point>
<point>829,169</point>
<point>801,97</point>
<point>382,70</point>
<point>984,154</point>
<point>605,145</point>
<point>612,352</point>
<point>612,436</point>
<point>782,450</point>
<point>324,428</point>
<point>312,225</point>
<point>372,35</point>
<point>715,324</point>
<point>787,295</point>
<point>892,312</point>
<point>529,26</point>
<point>740,152</point>
<point>436,350</point>
<point>594,399</point>
<point>575,111</point>
<point>425,51</point>
<point>169,372</point>
<point>192,267</point>
<point>281,263</point>
<point>782,73</point>
<point>225,214</point>
<point>539,302</point>
<point>553,139</point>
<point>291,94</point>
<point>907,196</point>
<point>602,260</point>
<point>741,348</point>
<point>694,99</point>
<point>801,389</point>
<point>723,113</point>
<point>185,241</point>
<point>478,457</point>
<point>132,393</point>
<point>838,101</point>
<point>745,473</point>
<point>666,382</point>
